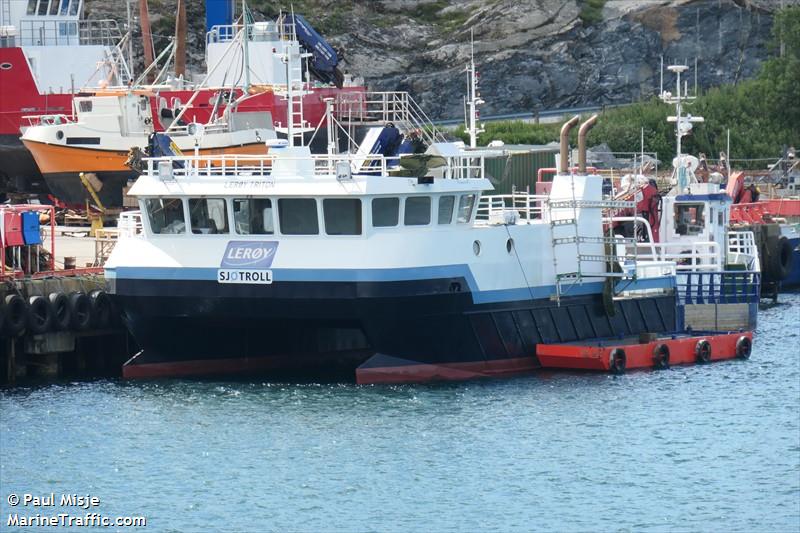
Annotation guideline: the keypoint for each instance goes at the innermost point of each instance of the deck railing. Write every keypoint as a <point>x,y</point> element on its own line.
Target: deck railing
<point>502,208</point>
<point>718,287</point>
<point>37,32</point>
<point>271,165</point>
<point>129,224</point>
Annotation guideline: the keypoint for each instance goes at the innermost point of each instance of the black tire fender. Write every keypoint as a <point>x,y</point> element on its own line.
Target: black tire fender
<point>61,310</point>
<point>40,314</point>
<point>702,351</point>
<point>101,309</point>
<point>661,356</point>
<point>617,361</point>
<point>80,310</point>
<point>16,315</point>
<point>744,347</point>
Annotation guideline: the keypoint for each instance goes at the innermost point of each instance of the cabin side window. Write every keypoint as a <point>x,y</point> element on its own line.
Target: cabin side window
<point>253,216</point>
<point>208,216</point>
<point>85,106</point>
<point>417,211</point>
<point>342,216</point>
<point>465,205</point>
<point>689,219</point>
<point>165,215</point>
<point>385,212</point>
<point>298,216</point>
<point>446,204</point>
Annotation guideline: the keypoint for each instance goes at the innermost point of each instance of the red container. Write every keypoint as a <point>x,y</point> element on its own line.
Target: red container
<point>12,234</point>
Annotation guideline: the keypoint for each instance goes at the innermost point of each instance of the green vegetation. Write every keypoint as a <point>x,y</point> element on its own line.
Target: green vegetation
<point>591,11</point>
<point>763,114</point>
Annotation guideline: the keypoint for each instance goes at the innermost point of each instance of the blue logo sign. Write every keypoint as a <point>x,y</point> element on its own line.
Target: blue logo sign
<point>249,254</point>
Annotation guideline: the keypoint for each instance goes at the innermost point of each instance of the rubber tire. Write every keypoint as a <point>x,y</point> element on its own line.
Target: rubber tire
<point>16,315</point>
<point>101,309</point>
<point>703,351</point>
<point>744,347</point>
<point>617,361</point>
<point>61,310</point>
<point>40,314</point>
<point>661,357</point>
<point>80,310</point>
<point>779,262</point>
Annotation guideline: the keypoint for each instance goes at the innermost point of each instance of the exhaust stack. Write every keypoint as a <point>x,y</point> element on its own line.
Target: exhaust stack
<point>563,159</point>
<point>582,132</point>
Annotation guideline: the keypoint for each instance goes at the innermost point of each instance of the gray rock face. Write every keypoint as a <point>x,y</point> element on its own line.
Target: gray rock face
<point>532,54</point>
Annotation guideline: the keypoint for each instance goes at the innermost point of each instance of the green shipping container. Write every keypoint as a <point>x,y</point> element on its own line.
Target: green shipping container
<point>523,164</point>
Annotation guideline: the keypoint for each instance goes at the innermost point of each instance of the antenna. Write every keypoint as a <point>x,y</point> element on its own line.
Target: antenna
<point>661,81</point>
<point>246,55</point>
<point>473,98</point>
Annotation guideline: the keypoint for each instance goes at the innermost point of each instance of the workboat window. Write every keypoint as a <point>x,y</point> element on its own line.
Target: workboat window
<point>385,212</point>
<point>42,7</point>
<point>465,204</point>
<point>208,215</point>
<point>253,216</point>
<point>73,7</point>
<point>342,216</point>
<point>31,7</point>
<point>689,219</point>
<point>85,106</point>
<point>165,215</point>
<point>446,204</point>
<point>298,216</point>
<point>417,211</point>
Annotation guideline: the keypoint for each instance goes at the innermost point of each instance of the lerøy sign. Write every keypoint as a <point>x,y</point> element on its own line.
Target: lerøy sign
<point>247,262</point>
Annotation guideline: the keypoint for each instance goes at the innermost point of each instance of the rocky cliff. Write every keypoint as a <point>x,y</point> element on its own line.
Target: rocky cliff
<point>532,54</point>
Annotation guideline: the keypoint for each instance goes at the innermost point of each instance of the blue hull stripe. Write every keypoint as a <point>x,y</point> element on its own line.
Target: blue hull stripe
<point>368,275</point>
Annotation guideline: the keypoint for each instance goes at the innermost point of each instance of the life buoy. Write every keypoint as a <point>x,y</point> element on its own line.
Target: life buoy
<point>61,312</point>
<point>617,361</point>
<point>101,309</point>
<point>744,346</point>
<point>16,314</point>
<point>661,356</point>
<point>779,261</point>
<point>40,314</point>
<point>703,351</point>
<point>80,310</point>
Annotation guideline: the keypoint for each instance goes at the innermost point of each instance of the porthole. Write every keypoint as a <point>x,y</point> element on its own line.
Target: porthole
<point>476,247</point>
<point>510,245</point>
<point>59,135</point>
<point>5,66</point>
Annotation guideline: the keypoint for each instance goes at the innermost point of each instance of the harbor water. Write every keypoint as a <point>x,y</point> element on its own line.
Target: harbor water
<point>696,448</point>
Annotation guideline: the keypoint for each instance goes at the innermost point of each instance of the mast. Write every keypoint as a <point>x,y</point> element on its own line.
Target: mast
<point>245,47</point>
<point>180,39</point>
<point>683,125</point>
<point>473,98</point>
<point>129,44</point>
<point>147,36</point>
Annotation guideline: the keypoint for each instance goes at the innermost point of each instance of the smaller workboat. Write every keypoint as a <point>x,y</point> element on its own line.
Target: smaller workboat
<point>83,157</point>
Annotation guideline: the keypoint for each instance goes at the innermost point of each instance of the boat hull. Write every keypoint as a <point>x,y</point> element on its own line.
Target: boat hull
<point>202,327</point>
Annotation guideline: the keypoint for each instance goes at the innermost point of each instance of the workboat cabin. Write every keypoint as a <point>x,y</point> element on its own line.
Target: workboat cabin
<point>301,261</point>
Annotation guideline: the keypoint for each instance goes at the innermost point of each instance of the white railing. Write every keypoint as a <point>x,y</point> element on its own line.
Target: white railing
<point>398,107</point>
<point>129,224</point>
<point>37,32</point>
<point>507,208</point>
<point>742,250</point>
<point>687,256</point>
<point>264,167</point>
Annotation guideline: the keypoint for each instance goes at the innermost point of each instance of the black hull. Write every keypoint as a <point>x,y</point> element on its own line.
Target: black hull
<point>18,170</point>
<point>194,327</point>
<point>68,187</point>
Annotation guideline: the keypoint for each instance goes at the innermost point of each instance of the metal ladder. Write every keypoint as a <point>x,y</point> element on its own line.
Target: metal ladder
<point>566,279</point>
<point>5,12</point>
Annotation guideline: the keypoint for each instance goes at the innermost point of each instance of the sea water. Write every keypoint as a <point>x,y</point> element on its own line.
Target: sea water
<point>703,448</point>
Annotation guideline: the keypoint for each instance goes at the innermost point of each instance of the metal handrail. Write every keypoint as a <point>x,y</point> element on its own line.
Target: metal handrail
<point>129,224</point>
<point>718,287</point>
<point>495,207</point>
<point>37,32</point>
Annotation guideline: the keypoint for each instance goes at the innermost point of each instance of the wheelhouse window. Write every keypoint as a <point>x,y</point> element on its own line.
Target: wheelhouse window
<point>689,219</point>
<point>342,216</point>
<point>418,211</point>
<point>298,216</point>
<point>385,212</point>
<point>253,216</point>
<point>208,216</point>
<point>446,204</point>
<point>465,205</point>
<point>165,215</point>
